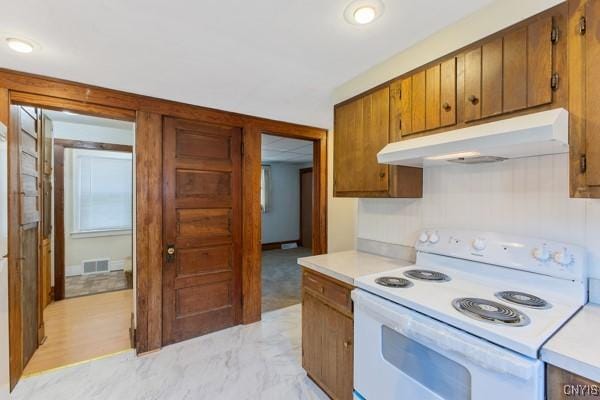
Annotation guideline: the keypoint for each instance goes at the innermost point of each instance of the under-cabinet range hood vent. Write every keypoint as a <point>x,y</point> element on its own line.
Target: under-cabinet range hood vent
<point>537,134</point>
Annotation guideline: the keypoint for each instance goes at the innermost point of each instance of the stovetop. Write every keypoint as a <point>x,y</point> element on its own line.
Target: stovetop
<point>509,306</point>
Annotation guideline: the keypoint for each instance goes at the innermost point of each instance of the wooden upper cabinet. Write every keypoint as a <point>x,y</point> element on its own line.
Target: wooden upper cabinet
<point>448,92</point>
<point>423,101</point>
<point>511,72</point>
<point>592,105</point>
<point>362,129</point>
<point>539,62</point>
<point>584,97</point>
<point>514,83</point>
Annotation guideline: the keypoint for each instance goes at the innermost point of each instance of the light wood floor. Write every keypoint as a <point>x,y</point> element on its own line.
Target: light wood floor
<point>83,328</point>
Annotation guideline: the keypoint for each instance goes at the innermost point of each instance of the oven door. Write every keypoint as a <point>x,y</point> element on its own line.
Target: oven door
<point>402,354</point>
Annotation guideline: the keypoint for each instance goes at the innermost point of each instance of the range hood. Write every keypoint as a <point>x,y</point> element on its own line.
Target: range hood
<point>537,134</point>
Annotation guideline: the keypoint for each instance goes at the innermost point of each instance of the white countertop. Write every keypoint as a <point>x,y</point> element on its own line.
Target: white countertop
<point>575,347</point>
<point>346,266</point>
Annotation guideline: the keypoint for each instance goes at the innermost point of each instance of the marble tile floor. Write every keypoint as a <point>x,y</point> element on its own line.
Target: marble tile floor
<point>258,361</point>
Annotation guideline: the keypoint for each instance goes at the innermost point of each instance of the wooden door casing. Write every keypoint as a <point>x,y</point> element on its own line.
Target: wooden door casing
<point>202,221</point>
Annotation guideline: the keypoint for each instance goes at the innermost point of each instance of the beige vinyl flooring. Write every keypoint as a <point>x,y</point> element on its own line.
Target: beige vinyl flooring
<point>83,328</point>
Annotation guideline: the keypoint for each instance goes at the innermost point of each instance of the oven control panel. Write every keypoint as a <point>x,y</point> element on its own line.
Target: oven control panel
<point>561,260</point>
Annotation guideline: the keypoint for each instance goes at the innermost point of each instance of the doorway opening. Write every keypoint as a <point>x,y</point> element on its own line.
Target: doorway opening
<point>82,167</point>
<point>287,215</point>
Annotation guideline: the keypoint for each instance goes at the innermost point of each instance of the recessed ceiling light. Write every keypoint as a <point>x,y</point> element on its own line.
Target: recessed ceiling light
<point>362,12</point>
<point>19,45</point>
<point>364,15</point>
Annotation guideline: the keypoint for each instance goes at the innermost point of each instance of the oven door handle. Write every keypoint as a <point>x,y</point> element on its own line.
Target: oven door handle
<point>439,336</point>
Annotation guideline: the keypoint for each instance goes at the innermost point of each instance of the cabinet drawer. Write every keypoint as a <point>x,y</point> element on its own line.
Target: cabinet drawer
<point>335,294</point>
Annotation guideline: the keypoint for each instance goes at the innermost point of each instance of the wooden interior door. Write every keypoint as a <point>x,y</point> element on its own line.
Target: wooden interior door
<point>306,207</point>
<point>202,228</point>
<point>26,322</point>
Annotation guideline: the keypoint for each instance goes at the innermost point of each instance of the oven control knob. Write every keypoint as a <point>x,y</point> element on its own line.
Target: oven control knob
<point>434,238</point>
<point>479,244</point>
<point>562,257</point>
<point>424,237</point>
<point>541,254</point>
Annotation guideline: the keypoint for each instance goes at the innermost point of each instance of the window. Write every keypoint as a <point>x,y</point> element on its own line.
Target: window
<point>102,188</point>
<point>265,188</point>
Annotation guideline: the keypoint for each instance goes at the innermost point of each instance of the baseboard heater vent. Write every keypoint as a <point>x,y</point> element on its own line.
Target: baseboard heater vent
<point>96,266</point>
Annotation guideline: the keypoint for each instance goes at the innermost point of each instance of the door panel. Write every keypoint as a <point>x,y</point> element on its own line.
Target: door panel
<point>472,73</point>
<point>26,323</point>
<point>448,92</point>
<point>491,78</point>
<point>539,62</point>
<point>515,70</point>
<point>432,97</point>
<point>348,123</point>
<point>592,116</point>
<point>202,221</point>
<point>418,102</point>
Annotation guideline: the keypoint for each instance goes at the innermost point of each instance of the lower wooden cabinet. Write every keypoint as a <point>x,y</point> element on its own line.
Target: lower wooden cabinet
<point>563,385</point>
<point>328,334</point>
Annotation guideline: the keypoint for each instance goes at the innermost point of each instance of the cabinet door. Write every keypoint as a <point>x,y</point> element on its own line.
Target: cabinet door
<point>472,76</point>
<point>539,62</point>
<point>312,335</point>
<point>372,176</point>
<point>361,131</point>
<point>418,102</point>
<point>515,70</point>
<point>592,89</point>
<point>337,354</point>
<point>432,97</point>
<point>347,140</point>
<point>491,78</point>
<point>448,92</point>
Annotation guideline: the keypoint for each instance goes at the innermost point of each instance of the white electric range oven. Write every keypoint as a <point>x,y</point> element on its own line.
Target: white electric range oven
<point>467,320</point>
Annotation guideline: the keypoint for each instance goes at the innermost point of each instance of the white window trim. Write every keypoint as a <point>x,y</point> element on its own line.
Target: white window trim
<point>76,231</point>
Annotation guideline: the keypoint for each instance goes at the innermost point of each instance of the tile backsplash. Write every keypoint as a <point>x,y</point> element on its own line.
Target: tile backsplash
<point>528,196</point>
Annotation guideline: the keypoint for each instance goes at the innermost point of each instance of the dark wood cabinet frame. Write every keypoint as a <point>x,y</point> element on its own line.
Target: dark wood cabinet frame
<point>148,113</point>
<point>59,202</point>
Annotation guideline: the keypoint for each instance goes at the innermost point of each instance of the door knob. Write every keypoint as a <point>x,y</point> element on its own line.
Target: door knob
<point>170,252</point>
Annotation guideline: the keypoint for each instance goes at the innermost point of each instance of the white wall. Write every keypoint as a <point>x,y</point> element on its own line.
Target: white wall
<point>341,212</point>
<point>117,248</point>
<point>528,196</point>
<point>282,222</point>
<point>93,133</point>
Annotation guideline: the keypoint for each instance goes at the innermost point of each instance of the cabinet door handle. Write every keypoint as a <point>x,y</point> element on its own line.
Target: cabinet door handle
<point>382,174</point>
<point>347,343</point>
<point>446,106</point>
<point>473,99</point>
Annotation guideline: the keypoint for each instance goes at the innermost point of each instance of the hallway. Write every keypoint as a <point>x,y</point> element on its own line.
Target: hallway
<point>83,328</point>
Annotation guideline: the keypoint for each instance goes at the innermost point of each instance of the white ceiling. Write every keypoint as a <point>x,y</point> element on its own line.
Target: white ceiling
<point>278,149</point>
<point>272,58</point>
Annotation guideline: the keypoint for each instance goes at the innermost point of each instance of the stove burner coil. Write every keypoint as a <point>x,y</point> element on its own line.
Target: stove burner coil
<point>490,311</point>
<point>393,282</point>
<point>523,299</point>
<point>427,275</point>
